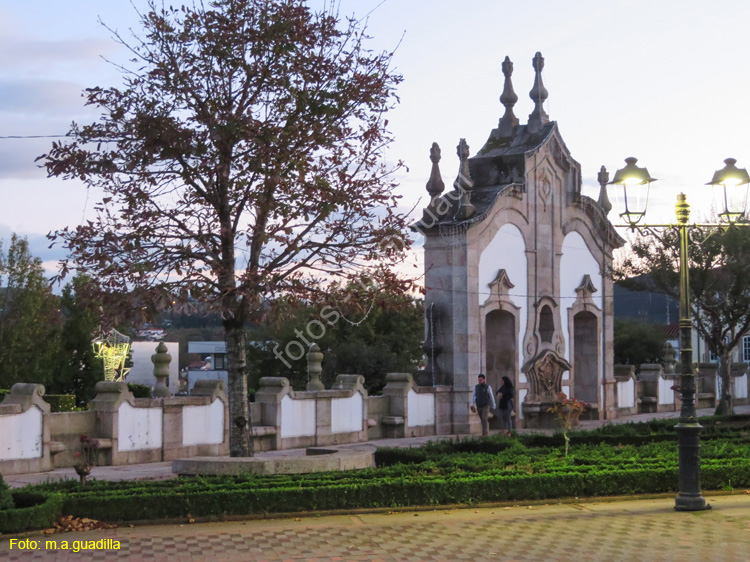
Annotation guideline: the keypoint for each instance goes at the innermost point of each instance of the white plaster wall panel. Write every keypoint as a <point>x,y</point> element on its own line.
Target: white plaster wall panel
<point>522,392</point>
<point>22,435</point>
<point>576,261</point>
<point>203,425</point>
<point>347,414</point>
<point>740,386</point>
<point>297,417</point>
<point>507,251</point>
<point>139,428</point>
<point>626,394</point>
<point>421,408</point>
<point>666,394</point>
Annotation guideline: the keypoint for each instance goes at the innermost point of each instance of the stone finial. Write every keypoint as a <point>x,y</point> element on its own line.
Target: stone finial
<point>463,179</point>
<point>538,94</point>
<point>463,183</point>
<point>508,98</point>
<point>435,185</point>
<point>314,368</point>
<point>603,179</point>
<point>161,360</point>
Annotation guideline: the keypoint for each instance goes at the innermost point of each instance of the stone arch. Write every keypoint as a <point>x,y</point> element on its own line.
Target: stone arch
<point>586,357</point>
<point>500,333</point>
<point>584,319</point>
<point>501,347</point>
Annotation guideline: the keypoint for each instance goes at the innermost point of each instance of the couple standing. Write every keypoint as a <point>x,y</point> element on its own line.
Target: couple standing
<point>483,400</point>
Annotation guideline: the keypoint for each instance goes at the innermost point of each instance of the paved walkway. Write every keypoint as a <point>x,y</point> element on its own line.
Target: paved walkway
<point>632,530</point>
<point>163,470</point>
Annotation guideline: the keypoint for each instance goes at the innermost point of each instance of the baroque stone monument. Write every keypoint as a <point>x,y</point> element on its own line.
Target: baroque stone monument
<point>516,263</point>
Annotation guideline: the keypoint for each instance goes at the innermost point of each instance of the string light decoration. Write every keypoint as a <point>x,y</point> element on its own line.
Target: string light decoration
<point>113,349</point>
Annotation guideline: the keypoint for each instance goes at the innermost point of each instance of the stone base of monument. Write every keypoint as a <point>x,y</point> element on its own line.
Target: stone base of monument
<point>314,459</point>
<point>537,416</point>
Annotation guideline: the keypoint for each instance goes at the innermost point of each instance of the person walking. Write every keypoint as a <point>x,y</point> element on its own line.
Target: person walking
<point>481,401</point>
<point>505,405</point>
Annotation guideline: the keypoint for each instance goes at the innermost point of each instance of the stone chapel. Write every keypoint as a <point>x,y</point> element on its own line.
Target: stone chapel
<point>516,271</point>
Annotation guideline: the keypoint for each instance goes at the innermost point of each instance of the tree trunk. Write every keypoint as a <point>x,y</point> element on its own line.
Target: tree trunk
<point>724,406</point>
<point>239,411</point>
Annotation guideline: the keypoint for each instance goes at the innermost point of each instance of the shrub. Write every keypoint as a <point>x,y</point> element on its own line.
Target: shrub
<point>139,390</point>
<point>31,511</point>
<point>6,499</point>
<point>61,402</point>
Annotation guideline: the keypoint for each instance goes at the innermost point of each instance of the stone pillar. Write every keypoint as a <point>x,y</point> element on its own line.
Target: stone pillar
<point>269,395</point>
<point>109,396</point>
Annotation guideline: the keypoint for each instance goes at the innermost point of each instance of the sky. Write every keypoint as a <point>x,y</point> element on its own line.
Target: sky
<point>664,81</point>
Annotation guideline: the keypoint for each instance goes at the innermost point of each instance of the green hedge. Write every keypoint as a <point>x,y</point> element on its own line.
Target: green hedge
<point>61,402</point>
<point>6,499</point>
<point>145,503</point>
<point>32,511</point>
<point>442,472</point>
<point>139,390</point>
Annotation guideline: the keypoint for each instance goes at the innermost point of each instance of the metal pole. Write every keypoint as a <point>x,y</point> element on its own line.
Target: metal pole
<point>689,497</point>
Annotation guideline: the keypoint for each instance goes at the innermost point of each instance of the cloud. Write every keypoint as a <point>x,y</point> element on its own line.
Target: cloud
<point>18,53</point>
<point>42,97</point>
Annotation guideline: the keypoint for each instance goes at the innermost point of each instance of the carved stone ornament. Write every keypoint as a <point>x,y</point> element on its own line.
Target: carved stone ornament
<point>544,373</point>
<point>501,284</point>
<point>585,290</point>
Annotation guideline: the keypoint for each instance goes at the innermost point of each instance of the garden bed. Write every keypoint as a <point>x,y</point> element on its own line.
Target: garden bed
<point>470,471</point>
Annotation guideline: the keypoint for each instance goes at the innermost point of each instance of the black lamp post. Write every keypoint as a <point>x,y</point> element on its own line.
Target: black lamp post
<point>732,184</point>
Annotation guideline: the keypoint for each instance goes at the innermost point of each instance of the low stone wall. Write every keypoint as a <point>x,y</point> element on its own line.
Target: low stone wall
<point>626,396</point>
<point>25,430</point>
<point>127,429</point>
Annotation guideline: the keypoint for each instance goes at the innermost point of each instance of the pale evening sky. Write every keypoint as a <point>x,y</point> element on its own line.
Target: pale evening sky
<point>662,80</point>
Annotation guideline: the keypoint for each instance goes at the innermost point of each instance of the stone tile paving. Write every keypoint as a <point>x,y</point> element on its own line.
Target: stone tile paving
<point>632,530</point>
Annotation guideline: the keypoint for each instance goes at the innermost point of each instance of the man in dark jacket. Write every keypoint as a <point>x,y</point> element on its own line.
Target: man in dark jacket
<point>482,400</point>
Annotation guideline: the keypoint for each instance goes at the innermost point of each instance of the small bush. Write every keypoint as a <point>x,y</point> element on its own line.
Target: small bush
<point>32,511</point>
<point>6,499</point>
<point>61,402</point>
<point>139,390</point>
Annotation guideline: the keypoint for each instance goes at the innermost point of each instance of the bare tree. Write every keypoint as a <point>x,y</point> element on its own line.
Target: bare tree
<point>242,156</point>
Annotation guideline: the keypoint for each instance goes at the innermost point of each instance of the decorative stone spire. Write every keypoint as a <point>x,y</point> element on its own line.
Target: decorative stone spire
<point>435,185</point>
<point>538,94</point>
<point>463,183</point>
<point>508,98</point>
<point>603,179</point>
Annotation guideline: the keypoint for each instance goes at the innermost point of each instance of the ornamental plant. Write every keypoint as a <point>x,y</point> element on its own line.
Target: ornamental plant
<point>86,457</point>
<point>567,411</point>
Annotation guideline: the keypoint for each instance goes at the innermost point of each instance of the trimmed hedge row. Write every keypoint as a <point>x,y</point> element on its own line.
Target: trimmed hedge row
<point>32,511</point>
<point>388,492</point>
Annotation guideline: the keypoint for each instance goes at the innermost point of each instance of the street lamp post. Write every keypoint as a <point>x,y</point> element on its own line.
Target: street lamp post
<point>731,182</point>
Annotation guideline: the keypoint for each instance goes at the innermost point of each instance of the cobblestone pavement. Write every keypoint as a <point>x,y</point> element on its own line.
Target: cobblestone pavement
<point>632,530</point>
